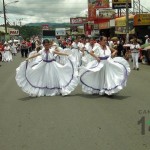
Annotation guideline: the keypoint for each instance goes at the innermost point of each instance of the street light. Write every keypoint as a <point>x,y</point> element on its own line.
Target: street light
<point>4,10</point>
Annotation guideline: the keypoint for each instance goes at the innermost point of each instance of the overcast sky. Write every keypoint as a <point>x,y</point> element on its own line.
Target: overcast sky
<point>30,11</point>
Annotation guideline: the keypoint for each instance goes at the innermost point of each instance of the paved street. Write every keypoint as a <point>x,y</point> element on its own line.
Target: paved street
<point>77,121</point>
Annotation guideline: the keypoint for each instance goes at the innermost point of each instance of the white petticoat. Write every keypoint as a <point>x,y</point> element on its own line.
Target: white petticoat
<point>107,77</point>
<point>47,78</point>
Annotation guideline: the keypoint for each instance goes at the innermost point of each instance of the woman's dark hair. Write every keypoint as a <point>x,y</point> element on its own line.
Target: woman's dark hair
<point>102,37</point>
<point>46,41</point>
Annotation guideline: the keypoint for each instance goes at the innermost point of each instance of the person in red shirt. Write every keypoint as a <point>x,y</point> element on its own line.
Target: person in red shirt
<point>29,44</point>
<point>24,49</point>
<point>1,51</point>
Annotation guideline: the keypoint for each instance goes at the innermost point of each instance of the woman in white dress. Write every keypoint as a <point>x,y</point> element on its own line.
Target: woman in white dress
<point>7,56</point>
<point>48,77</point>
<point>104,75</point>
<point>13,49</point>
<point>91,46</point>
<point>76,52</point>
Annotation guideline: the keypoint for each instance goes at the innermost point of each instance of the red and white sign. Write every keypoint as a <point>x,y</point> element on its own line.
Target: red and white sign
<point>78,20</point>
<point>45,27</point>
<point>14,32</point>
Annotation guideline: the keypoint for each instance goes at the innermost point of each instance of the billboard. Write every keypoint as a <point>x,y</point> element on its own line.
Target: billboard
<point>120,25</point>
<point>45,27</point>
<point>105,14</point>
<point>91,12</point>
<point>78,20</point>
<point>96,4</point>
<point>117,4</point>
<point>60,31</point>
<point>77,30</point>
<point>14,32</point>
<point>99,3</point>
<point>104,25</point>
<point>142,19</point>
<point>48,34</point>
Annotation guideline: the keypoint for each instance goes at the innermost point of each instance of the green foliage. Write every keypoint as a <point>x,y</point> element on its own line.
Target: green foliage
<point>31,29</point>
<point>28,31</point>
<point>51,25</point>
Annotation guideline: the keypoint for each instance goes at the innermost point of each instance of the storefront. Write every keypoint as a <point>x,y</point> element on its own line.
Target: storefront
<point>120,25</point>
<point>142,25</point>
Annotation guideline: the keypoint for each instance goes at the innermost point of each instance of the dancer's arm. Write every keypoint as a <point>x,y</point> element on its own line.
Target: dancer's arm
<point>60,53</point>
<point>113,52</point>
<point>33,56</point>
<point>92,54</point>
<point>83,50</point>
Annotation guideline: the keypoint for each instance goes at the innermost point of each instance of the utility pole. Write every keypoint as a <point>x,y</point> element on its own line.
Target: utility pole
<point>4,10</point>
<point>127,21</point>
<point>139,8</point>
<point>20,21</point>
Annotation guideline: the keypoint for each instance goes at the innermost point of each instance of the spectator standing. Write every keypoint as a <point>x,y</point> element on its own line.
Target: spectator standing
<point>24,49</point>
<point>147,39</point>
<point>135,47</point>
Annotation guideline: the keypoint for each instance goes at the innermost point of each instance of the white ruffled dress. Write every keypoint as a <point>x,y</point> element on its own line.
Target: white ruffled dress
<point>7,56</point>
<point>36,60</point>
<point>48,77</point>
<point>108,76</point>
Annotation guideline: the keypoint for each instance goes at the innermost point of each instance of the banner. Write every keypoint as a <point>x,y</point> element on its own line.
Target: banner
<point>142,19</point>
<point>117,4</point>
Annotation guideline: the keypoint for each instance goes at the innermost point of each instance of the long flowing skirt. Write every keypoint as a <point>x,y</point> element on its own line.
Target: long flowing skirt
<point>7,56</point>
<point>47,78</point>
<point>14,51</point>
<point>36,60</point>
<point>86,58</point>
<point>107,77</point>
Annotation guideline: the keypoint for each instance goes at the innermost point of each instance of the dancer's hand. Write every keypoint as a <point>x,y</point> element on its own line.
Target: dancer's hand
<point>98,59</point>
<point>113,55</point>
